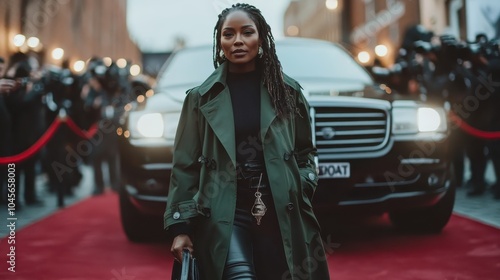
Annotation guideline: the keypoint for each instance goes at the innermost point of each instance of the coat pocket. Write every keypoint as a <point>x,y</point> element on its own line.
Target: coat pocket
<point>309,182</point>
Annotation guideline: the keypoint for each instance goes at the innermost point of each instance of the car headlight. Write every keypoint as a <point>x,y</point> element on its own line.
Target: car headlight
<point>428,120</point>
<point>147,125</point>
<point>412,120</point>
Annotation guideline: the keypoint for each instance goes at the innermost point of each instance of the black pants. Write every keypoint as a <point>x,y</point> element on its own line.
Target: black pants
<point>106,151</point>
<point>255,251</point>
<point>495,158</point>
<point>478,160</point>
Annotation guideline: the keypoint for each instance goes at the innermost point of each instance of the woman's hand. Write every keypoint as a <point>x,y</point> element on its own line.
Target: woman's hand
<point>181,241</point>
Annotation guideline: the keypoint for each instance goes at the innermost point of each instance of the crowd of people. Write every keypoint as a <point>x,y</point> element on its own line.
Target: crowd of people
<point>32,97</point>
<point>465,77</point>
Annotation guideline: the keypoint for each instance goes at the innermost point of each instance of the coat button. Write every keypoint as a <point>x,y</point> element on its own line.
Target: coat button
<point>311,176</point>
<point>290,206</point>
<point>286,156</point>
<point>176,215</point>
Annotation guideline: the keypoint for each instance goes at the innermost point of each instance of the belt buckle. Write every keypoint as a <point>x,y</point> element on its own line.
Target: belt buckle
<point>253,183</point>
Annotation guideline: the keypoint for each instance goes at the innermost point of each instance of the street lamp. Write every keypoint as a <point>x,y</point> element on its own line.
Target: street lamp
<point>331,4</point>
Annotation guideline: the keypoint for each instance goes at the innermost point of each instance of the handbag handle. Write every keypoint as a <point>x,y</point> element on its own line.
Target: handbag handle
<point>186,264</point>
<point>188,270</point>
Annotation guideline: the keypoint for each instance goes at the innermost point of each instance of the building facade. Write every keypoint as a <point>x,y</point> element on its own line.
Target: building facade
<point>81,28</point>
<point>362,25</point>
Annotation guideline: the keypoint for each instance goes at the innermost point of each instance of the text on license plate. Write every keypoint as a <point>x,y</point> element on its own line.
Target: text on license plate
<point>335,170</point>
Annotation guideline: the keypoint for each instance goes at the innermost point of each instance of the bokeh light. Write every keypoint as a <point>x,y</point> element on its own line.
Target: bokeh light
<point>363,57</point>
<point>57,53</point>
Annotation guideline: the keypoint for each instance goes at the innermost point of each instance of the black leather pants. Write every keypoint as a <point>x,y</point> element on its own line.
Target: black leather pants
<point>256,251</point>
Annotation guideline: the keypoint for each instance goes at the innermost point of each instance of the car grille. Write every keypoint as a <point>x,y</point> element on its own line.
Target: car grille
<point>350,130</point>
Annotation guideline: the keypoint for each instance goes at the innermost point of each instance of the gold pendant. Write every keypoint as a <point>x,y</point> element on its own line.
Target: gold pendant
<point>259,208</point>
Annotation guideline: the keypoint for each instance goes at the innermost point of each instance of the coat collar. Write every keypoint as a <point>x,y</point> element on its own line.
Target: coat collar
<point>218,76</point>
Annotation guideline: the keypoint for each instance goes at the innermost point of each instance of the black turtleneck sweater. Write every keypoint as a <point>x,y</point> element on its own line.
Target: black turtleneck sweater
<point>245,97</point>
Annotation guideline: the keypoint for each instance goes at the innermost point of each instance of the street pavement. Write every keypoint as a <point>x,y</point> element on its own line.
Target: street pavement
<point>483,208</point>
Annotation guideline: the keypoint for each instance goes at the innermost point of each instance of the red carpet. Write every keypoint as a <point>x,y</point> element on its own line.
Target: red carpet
<point>85,242</point>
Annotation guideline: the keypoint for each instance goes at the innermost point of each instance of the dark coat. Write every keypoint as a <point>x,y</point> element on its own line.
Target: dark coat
<point>205,195</point>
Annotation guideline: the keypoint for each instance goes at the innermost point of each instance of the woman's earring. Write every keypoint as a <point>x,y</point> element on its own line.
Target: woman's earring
<point>260,52</point>
<point>221,54</point>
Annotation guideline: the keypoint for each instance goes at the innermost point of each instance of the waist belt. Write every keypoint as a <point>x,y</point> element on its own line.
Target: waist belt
<point>253,182</point>
<point>248,174</point>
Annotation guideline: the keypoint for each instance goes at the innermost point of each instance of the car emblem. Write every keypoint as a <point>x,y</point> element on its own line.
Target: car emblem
<point>328,132</point>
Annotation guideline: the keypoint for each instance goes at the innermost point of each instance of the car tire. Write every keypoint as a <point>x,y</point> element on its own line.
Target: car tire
<point>430,219</point>
<point>139,227</point>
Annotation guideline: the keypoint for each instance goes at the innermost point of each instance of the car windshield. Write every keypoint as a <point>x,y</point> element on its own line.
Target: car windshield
<point>318,62</point>
<point>189,67</point>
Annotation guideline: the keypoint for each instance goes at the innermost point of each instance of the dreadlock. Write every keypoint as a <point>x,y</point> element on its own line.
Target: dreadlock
<point>269,64</point>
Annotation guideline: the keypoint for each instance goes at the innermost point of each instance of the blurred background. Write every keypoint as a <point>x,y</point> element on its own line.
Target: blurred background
<point>88,59</point>
<point>142,31</point>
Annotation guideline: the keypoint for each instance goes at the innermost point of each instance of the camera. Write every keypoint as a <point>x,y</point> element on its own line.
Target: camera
<point>450,50</point>
<point>19,82</point>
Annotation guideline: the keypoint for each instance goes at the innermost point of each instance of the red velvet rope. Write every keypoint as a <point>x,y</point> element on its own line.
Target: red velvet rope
<point>46,137</point>
<point>82,133</point>
<point>490,135</point>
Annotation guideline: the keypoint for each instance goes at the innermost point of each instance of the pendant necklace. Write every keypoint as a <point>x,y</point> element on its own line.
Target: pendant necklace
<point>259,208</point>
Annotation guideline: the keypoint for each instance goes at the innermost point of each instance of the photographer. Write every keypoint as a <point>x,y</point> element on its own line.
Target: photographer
<point>105,95</point>
<point>23,102</point>
<point>494,104</point>
<point>489,52</point>
<point>61,97</point>
<point>479,108</point>
<point>6,85</point>
<point>412,65</point>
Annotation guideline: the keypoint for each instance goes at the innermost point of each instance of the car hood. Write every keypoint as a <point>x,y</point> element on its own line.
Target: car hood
<point>330,88</point>
<point>170,99</point>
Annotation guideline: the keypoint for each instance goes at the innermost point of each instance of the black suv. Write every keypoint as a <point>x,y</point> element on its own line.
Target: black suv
<point>376,152</point>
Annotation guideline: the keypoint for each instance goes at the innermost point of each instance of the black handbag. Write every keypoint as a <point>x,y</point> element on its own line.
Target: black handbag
<point>188,270</point>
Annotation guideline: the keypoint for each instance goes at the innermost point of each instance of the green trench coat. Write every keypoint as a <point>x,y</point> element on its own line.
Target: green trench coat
<point>204,195</point>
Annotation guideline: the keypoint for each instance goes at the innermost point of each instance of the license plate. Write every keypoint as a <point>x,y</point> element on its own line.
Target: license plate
<point>335,170</point>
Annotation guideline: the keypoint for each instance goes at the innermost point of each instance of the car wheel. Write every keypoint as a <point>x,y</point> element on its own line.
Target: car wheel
<point>139,227</point>
<point>431,219</point>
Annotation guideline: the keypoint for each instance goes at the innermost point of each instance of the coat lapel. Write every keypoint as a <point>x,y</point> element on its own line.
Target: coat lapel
<point>219,111</point>
<point>268,114</point>
<point>219,114</point>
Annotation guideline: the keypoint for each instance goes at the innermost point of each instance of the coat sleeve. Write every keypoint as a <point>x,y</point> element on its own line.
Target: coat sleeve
<point>184,179</point>
<point>305,151</point>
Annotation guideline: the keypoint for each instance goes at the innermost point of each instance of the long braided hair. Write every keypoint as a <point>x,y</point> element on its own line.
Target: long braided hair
<point>269,64</point>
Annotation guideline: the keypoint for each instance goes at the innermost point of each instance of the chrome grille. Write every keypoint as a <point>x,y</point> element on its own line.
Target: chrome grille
<point>348,129</point>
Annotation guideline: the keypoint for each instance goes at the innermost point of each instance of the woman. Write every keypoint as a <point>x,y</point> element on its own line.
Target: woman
<point>244,173</point>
